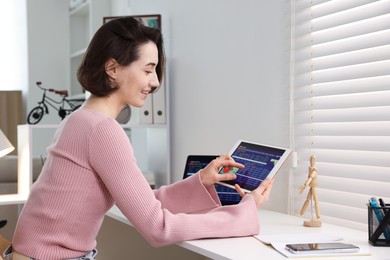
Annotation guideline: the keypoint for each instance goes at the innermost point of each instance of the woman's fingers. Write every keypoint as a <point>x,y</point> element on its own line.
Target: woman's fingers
<point>227,161</point>
<point>224,157</point>
<point>264,185</point>
<point>239,190</point>
<point>211,173</point>
<point>261,193</point>
<point>226,177</point>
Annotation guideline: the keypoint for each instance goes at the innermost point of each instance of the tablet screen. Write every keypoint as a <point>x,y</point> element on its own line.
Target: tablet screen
<point>261,161</point>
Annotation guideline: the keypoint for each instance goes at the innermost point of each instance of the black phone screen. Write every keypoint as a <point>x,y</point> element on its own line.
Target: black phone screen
<point>322,247</point>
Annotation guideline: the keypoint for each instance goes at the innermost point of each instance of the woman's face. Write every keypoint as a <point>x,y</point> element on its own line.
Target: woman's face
<point>139,78</point>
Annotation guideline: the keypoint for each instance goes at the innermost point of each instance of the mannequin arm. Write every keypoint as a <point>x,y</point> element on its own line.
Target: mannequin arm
<point>308,181</point>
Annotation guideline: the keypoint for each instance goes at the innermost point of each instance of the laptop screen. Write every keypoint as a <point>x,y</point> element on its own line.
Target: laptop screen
<point>227,196</point>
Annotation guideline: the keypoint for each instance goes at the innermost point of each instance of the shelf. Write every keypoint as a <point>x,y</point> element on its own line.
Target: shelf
<point>135,125</point>
<point>41,126</point>
<point>11,199</point>
<point>81,10</point>
<point>78,54</point>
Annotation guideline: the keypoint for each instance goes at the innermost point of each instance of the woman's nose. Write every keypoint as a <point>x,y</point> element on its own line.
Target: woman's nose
<point>155,82</point>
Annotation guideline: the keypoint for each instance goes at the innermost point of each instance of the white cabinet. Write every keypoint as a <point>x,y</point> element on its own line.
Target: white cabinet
<point>84,20</point>
<point>152,150</point>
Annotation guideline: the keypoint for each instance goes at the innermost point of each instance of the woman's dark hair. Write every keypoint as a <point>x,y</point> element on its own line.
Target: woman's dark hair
<point>119,39</point>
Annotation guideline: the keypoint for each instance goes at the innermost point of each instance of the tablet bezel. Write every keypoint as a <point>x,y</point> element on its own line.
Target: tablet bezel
<point>274,170</point>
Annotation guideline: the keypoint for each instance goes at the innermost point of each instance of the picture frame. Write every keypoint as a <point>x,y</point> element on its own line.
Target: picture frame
<point>150,20</point>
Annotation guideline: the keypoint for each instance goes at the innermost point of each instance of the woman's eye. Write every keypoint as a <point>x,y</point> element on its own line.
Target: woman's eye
<point>148,72</point>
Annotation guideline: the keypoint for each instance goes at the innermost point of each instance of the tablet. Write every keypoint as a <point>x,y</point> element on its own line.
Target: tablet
<point>261,161</point>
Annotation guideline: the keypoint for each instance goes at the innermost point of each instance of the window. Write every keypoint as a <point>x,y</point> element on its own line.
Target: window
<point>13,46</point>
<point>341,100</point>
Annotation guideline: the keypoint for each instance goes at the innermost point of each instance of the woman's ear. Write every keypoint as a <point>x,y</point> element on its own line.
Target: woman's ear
<point>111,68</point>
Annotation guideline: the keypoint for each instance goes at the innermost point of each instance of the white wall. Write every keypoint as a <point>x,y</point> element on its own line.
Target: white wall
<point>228,75</point>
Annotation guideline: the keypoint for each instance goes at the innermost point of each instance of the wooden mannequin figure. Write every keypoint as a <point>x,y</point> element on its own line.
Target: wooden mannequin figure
<point>312,182</point>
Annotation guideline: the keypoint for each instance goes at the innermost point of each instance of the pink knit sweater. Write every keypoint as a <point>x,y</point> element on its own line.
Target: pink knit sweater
<point>91,166</point>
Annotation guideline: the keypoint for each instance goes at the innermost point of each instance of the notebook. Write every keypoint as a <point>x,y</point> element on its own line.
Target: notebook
<point>194,163</point>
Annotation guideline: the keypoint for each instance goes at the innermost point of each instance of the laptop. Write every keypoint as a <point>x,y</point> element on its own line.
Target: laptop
<point>194,163</point>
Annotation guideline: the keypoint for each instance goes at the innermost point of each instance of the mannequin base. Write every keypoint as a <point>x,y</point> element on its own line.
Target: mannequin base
<point>312,223</point>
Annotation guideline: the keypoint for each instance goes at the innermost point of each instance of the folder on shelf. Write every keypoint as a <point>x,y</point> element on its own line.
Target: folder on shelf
<point>146,111</point>
<point>159,109</point>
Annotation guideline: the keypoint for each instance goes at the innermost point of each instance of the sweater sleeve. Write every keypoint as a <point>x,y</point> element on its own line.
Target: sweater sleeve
<point>112,157</point>
<point>188,196</point>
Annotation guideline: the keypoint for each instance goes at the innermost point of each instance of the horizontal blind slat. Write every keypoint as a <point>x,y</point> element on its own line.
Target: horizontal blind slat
<point>380,53</point>
<point>350,15</point>
<point>350,200</point>
<point>323,8</point>
<point>334,210</point>
<point>368,188</point>
<point>372,84</point>
<point>375,24</point>
<point>367,158</point>
<point>350,187</point>
<point>342,101</point>
<point>363,143</point>
<point>373,69</point>
<point>348,171</point>
<point>374,128</point>
<point>344,115</point>
<point>369,40</point>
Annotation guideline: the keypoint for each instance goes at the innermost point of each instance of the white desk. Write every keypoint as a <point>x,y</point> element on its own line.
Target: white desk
<point>270,223</point>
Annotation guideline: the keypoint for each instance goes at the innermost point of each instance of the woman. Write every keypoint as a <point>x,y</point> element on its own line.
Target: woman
<point>91,165</point>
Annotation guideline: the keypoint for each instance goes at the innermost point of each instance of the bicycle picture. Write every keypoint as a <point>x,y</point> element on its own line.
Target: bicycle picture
<point>65,106</point>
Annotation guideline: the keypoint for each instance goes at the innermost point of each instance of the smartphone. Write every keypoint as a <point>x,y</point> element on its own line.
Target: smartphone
<point>322,248</point>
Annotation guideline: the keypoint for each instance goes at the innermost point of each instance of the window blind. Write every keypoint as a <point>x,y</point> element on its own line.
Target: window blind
<point>341,105</point>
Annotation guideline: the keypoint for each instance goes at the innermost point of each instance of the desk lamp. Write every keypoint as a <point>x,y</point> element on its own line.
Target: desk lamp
<point>5,145</point>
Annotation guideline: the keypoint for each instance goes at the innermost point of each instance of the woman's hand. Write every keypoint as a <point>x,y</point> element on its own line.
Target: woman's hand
<point>209,175</point>
<point>260,194</point>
